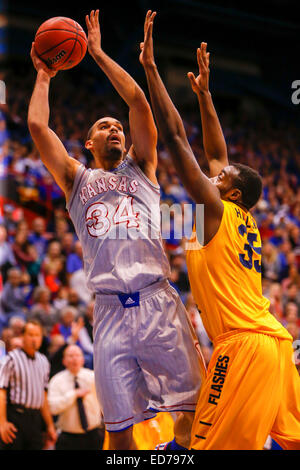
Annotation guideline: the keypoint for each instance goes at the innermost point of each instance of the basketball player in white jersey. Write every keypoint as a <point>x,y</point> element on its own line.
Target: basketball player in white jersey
<point>145,353</point>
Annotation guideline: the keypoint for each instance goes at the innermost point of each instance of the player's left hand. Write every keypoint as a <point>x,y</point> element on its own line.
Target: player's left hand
<point>39,64</point>
<point>200,83</point>
<point>94,34</point>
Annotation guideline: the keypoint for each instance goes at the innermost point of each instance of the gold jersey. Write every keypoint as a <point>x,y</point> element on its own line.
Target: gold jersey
<point>225,278</point>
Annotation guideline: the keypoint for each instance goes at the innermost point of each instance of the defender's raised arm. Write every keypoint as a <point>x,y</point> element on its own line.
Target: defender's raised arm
<point>213,139</point>
<point>173,134</point>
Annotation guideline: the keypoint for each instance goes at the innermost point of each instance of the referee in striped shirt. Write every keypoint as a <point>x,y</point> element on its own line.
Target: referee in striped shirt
<point>24,411</point>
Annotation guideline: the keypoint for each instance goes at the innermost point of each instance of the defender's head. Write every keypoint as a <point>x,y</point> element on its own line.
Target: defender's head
<point>106,139</point>
<point>240,184</point>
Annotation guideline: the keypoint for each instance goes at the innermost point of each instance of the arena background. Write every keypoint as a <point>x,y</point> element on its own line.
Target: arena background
<point>254,61</point>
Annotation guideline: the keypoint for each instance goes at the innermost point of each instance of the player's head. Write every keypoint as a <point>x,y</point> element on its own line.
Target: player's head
<point>240,184</point>
<point>106,139</point>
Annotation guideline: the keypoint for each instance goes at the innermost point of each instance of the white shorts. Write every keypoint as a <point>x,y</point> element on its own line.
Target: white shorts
<point>146,356</point>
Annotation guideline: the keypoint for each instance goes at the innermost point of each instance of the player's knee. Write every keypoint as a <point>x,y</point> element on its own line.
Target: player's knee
<point>121,440</point>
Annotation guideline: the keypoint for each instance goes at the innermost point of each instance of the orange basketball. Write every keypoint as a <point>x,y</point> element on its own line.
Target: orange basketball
<point>61,43</point>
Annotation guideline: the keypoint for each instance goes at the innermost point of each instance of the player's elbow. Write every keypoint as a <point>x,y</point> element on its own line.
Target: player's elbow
<point>172,138</point>
<point>35,127</point>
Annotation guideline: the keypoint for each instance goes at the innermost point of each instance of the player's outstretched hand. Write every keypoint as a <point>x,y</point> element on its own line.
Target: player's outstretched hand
<point>147,55</point>
<point>39,64</point>
<point>200,84</point>
<point>94,34</point>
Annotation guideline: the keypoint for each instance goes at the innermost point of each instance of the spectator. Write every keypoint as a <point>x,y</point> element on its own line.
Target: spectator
<point>64,327</point>
<point>56,359</point>
<point>62,228</point>
<point>53,266</point>
<point>24,376</point>
<point>56,342</point>
<point>20,250</point>
<point>72,396</point>
<point>85,335</point>
<point>291,295</point>
<point>6,337</point>
<point>275,297</point>
<point>75,259</point>
<point>270,263</point>
<point>17,324</point>
<point>293,278</point>
<point>37,236</point>
<point>67,244</point>
<point>75,301</point>
<point>284,251</point>
<point>291,314</point>
<point>34,266</point>
<point>10,222</point>
<point>42,309</point>
<point>61,299</point>
<point>7,259</point>
<point>78,283</point>
<point>13,297</point>
<point>16,342</point>
<point>89,319</point>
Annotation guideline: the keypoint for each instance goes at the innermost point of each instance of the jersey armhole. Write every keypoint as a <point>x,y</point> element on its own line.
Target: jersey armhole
<point>203,247</point>
<point>78,176</point>
<point>133,163</point>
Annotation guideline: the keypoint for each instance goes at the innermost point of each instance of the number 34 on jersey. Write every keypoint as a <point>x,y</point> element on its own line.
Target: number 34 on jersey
<point>99,219</point>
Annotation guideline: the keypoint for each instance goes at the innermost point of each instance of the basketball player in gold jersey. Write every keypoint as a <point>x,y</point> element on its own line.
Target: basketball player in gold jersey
<point>252,387</point>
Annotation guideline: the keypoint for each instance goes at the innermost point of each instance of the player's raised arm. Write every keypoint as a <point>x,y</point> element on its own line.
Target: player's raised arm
<point>52,151</point>
<point>142,127</point>
<point>172,131</point>
<point>213,138</point>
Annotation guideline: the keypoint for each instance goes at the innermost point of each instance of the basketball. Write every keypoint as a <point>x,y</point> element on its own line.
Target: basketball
<point>61,43</point>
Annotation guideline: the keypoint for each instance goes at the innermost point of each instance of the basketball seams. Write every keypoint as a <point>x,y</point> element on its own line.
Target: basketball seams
<point>75,41</point>
<point>62,29</point>
<point>67,20</point>
<point>56,45</point>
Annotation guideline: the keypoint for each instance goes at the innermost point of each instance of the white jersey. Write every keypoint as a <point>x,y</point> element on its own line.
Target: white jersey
<point>116,215</point>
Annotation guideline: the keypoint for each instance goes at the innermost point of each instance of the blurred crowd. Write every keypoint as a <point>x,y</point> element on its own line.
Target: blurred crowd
<point>41,257</point>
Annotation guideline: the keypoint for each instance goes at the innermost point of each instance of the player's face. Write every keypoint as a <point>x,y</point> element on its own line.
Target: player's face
<point>107,139</point>
<point>225,180</point>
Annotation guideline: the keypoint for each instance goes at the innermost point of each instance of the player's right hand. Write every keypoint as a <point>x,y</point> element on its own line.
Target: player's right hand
<point>39,64</point>
<point>147,55</point>
<point>94,33</point>
<point>8,432</point>
<point>199,84</point>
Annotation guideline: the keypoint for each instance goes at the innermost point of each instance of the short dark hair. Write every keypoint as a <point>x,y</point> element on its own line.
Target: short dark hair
<point>90,131</point>
<point>249,182</point>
